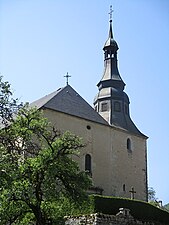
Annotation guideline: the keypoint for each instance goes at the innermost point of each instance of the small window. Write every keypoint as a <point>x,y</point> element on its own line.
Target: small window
<point>88,164</point>
<point>129,144</point>
<point>88,127</point>
<point>124,187</point>
<point>104,107</point>
<point>117,107</point>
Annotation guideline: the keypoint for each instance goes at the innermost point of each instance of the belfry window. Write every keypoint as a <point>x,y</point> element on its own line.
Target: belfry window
<point>117,106</point>
<point>128,144</point>
<point>104,106</point>
<point>88,164</point>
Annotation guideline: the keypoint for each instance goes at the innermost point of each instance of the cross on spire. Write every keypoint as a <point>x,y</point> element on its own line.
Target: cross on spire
<point>67,78</point>
<point>132,191</point>
<point>111,12</point>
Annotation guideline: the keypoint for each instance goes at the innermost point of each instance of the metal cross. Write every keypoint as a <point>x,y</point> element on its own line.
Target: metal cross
<point>111,12</point>
<point>67,78</point>
<point>132,191</point>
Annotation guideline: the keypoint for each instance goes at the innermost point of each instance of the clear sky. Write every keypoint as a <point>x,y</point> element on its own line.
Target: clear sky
<point>42,40</point>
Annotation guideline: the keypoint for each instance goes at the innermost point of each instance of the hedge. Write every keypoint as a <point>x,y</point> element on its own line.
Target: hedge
<point>140,210</point>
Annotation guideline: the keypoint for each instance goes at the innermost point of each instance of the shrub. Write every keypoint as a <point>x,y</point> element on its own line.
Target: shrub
<point>139,209</point>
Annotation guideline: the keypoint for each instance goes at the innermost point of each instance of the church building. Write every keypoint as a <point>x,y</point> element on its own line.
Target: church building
<point>115,155</point>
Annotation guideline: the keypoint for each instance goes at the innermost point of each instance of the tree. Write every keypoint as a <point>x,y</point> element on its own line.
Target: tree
<point>151,195</point>
<point>152,198</point>
<point>39,180</point>
<point>8,105</point>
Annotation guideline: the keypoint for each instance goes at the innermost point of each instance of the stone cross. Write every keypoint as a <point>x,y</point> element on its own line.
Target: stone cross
<point>67,78</point>
<point>132,191</point>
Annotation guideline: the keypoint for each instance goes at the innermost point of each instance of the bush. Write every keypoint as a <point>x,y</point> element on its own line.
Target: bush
<point>139,209</point>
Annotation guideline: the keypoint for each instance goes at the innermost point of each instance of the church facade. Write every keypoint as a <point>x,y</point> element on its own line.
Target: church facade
<point>115,155</point>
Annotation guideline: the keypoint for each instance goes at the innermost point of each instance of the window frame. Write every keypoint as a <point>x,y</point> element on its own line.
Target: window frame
<point>129,148</point>
<point>104,106</point>
<point>88,164</point>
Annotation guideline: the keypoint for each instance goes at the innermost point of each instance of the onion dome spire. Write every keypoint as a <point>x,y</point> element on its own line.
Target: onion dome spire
<point>111,76</point>
<point>110,41</point>
<point>111,102</point>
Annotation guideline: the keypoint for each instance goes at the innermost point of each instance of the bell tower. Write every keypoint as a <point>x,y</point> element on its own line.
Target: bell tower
<point>128,148</point>
<point>111,102</point>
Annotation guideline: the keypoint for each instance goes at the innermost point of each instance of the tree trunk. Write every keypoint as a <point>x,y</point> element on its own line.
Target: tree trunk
<point>40,219</point>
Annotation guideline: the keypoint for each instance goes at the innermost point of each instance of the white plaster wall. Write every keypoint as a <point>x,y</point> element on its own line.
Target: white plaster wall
<point>112,164</point>
<point>129,167</point>
<point>98,145</point>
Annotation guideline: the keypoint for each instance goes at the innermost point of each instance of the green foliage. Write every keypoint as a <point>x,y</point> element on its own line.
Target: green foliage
<point>152,199</point>
<point>8,105</point>
<point>139,209</point>
<point>151,195</point>
<point>39,181</point>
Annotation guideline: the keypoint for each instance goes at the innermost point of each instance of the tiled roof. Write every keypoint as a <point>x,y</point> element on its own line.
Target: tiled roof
<point>67,100</point>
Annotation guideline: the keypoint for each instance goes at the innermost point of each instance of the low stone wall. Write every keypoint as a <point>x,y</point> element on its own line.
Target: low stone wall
<point>122,218</point>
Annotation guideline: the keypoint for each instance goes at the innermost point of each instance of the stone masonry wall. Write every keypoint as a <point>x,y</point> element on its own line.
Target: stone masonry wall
<point>122,218</point>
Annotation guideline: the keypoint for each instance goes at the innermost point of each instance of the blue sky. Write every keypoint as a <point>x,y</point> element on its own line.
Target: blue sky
<point>42,40</point>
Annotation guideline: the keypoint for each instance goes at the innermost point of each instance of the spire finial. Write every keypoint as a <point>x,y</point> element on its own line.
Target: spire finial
<point>111,13</point>
<point>67,78</point>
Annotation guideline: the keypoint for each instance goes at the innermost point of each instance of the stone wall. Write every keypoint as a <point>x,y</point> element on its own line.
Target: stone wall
<point>122,218</point>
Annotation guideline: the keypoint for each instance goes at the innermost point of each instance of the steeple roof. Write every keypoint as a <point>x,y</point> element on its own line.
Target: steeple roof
<point>111,76</point>
<point>111,43</point>
<point>111,101</point>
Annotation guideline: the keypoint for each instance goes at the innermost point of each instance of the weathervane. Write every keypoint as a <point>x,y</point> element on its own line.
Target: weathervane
<point>67,78</point>
<point>111,12</point>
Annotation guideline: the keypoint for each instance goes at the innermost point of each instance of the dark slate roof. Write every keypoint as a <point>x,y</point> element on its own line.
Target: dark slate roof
<point>124,121</point>
<point>67,100</point>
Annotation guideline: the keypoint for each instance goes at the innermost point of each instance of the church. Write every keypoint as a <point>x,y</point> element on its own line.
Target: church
<point>115,155</point>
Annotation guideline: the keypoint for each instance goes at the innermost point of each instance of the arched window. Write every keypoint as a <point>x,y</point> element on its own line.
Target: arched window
<point>128,144</point>
<point>88,164</point>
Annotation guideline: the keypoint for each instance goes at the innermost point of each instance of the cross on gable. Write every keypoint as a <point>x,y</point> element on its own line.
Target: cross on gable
<point>132,191</point>
<point>67,78</point>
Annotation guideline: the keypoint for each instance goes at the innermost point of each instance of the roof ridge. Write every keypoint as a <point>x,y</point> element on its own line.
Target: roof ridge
<point>67,100</point>
<point>43,100</point>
